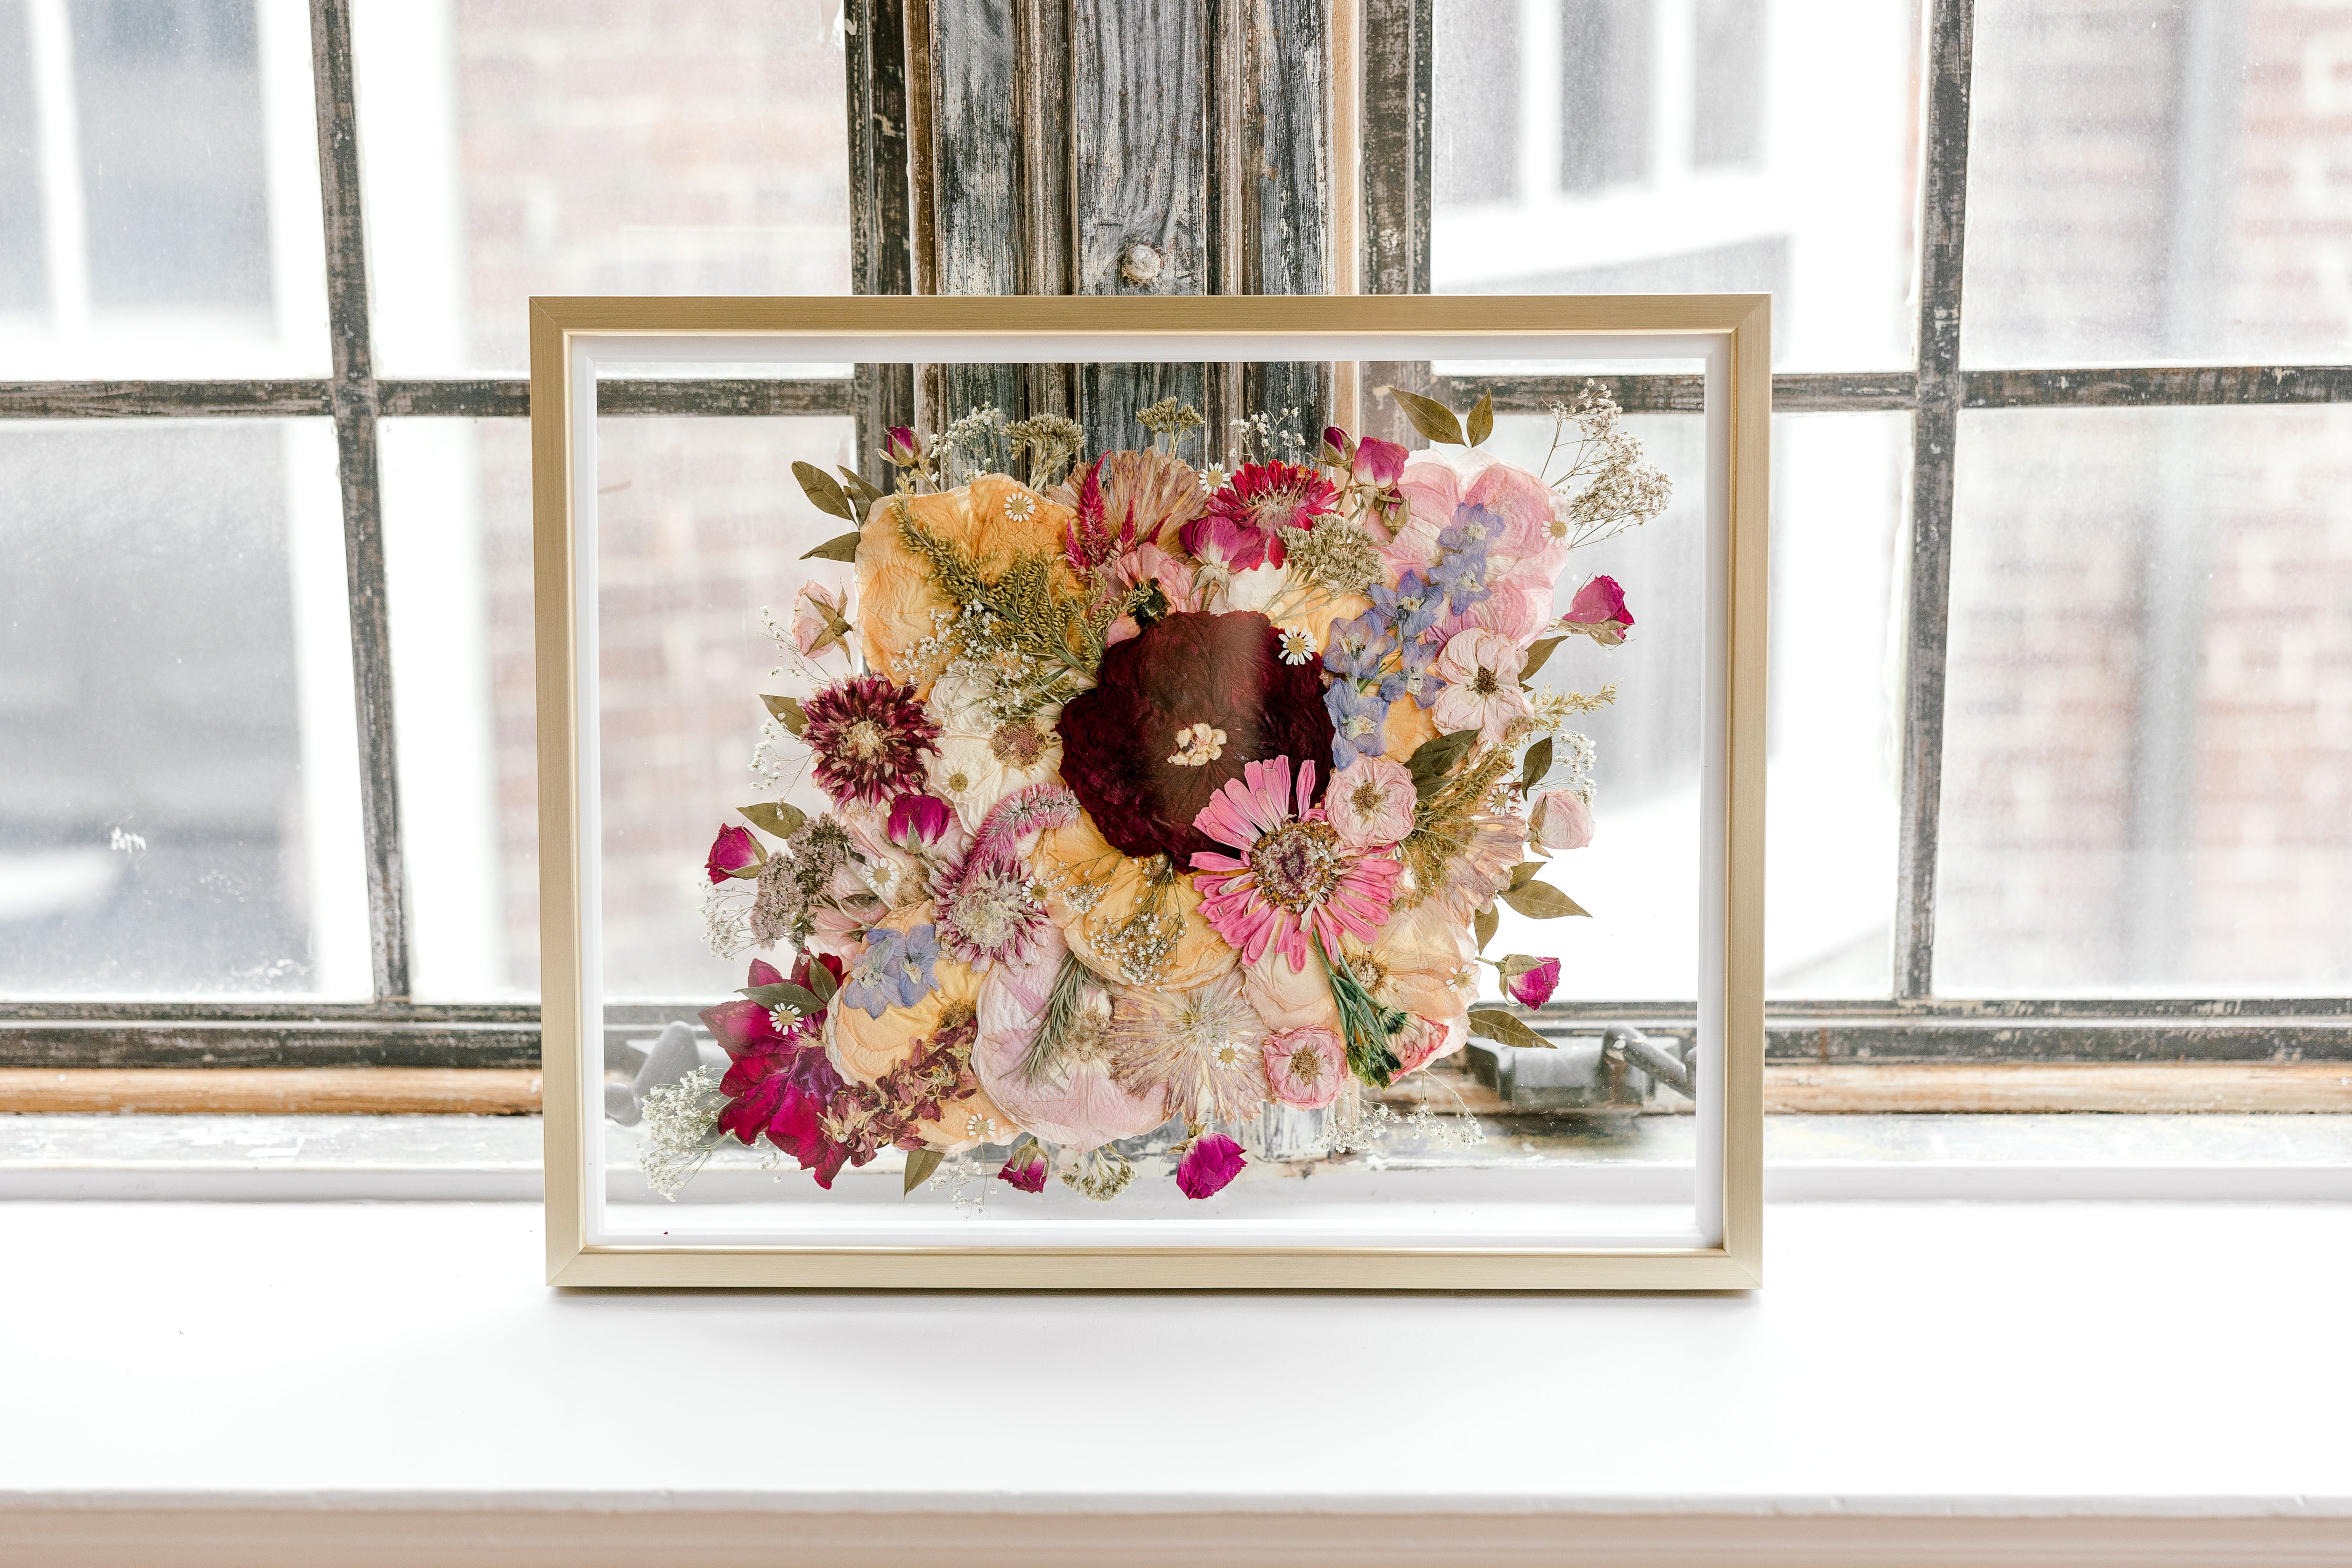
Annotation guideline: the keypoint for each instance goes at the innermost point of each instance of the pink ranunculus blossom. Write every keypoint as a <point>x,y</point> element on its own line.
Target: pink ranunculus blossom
<point>1293,879</point>
<point>821,625</point>
<point>1369,804</point>
<point>1212,1163</point>
<point>1598,611</point>
<point>1306,1067</point>
<point>734,852</point>
<point>1559,820</point>
<point>1533,987</point>
<point>918,819</point>
<point>1024,1169</point>
<point>1481,671</point>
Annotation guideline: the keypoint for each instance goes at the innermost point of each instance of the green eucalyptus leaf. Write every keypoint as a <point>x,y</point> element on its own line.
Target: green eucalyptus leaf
<point>824,492</point>
<point>1429,416</point>
<point>1518,964</point>
<point>1482,419</point>
<point>1435,757</point>
<point>840,547</point>
<point>785,994</point>
<point>1537,653</point>
<point>820,981</point>
<point>774,817</point>
<point>1537,764</point>
<point>787,711</point>
<point>1541,900</point>
<point>920,1165</point>
<point>1492,1023</point>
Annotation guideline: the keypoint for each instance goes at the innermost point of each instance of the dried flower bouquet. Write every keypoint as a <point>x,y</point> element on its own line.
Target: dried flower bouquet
<point>1158,794</point>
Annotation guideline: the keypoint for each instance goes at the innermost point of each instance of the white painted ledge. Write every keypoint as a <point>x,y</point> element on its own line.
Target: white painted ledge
<point>365,1382</point>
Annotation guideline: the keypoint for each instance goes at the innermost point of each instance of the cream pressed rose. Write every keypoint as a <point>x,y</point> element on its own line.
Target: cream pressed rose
<point>1370,804</point>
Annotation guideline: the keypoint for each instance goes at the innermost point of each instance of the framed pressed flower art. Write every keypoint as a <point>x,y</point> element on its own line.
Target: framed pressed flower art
<point>1121,829</point>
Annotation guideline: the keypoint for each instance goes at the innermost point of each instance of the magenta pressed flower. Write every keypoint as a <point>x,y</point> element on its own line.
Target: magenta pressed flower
<point>1379,462</point>
<point>1209,1166</point>
<point>1533,987</point>
<point>778,1080</point>
<point>734,852</point>
<point>1026,1169</point>
<point>918,819</point>
<point>1243,525</point>
<point>869,736</point>
<point>1598,611</point>
<point>1294,877</point>
<point>1124,743</point>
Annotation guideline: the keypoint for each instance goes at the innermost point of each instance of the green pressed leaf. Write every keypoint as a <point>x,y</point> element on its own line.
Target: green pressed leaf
<point>1537,764</point>
<point>840,547</point>
<point>1429,416</point>
<point>1433,758</point>
<point>1492,1023</point>
<point>1488,918</point>
<point>824,492</point>
<point>821,980</point>
<point>1537,653</point>
<point>1518,964</point>
<point>785,994</point>
<point>774,817</point>
<point>1541,900</point>
<point>861,493</point>
<point>787,711</point>
<point>1482,419</point>
<point>1525,872</point>
<point>921,1163</point>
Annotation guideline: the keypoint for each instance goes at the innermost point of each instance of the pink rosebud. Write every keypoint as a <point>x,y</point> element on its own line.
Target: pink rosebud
<point>902,446</point>
<point>1533,987</point>
<point>821,620</point>
<point>1212,1161</point>
<point>1306,1067</point>
<point>918,819</point>
<point>1379,462</point>
<point>1026,1169</point>
<point>1338,452</point>
<point>1598,611</point>
<point>734,852</point>
<point>1559,820</point>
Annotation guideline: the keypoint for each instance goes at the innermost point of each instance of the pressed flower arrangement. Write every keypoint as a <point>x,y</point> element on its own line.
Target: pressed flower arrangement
<point>1158,794</point>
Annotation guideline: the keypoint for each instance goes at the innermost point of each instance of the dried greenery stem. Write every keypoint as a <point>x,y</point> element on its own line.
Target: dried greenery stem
<point>1020,609</point>
<point>1043,1063</point>
<point>1443,825</point>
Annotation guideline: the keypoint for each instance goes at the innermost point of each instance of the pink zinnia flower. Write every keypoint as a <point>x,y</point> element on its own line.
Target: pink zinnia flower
<point>1209,1166</point>
<point>1559,820</point>
<point>734,852</point>
<point>1533,987</point>
<point>1369,804</point>
<point>1293,875</point>
<point>1306,1067</point>
<point>1598,611</point>
<point>1026,1169</point>
<point>1481,671</point>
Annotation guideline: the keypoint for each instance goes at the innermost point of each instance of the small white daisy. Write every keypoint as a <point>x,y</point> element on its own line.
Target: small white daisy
<point>1298,645</point>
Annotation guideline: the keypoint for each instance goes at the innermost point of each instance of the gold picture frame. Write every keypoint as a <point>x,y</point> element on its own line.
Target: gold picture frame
<point>1731,333</point>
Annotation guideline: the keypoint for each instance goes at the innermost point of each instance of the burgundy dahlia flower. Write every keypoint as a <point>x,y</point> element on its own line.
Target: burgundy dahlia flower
<point>869,736</point>
<point>1176,713</point>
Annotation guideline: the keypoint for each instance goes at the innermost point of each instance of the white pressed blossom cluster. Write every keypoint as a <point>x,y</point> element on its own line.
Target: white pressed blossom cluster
<point>681,1128</point>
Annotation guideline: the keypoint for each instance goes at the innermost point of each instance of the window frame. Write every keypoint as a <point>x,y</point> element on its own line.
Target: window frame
<point>1911,1024</point>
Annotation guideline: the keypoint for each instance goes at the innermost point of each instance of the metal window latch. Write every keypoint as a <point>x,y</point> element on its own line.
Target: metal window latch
<point>1616,1068</point>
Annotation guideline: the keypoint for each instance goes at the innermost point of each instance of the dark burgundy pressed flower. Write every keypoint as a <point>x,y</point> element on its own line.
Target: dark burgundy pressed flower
<point>869,736</point>
<point>1174,715</point>
<point>1209,1166</point>
<point>734,852</point>
<point>1026,1169</point>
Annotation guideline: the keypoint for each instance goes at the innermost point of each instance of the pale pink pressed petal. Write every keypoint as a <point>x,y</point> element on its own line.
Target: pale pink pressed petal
<point>1457,709</point>
<point>1209,860</point>
<point>1306,785</point>
<point>1521,500</point>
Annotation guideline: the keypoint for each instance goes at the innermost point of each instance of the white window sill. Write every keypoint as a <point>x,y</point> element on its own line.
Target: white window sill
<point>2236,1158</point>
<point>2107,1382</point>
